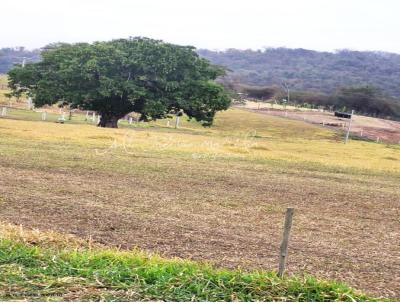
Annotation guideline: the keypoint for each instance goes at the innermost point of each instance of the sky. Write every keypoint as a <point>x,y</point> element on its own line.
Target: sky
<point>325,25</point>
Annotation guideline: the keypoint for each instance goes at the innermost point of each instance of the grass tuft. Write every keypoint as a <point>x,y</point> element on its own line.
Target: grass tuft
<point>99,274</point>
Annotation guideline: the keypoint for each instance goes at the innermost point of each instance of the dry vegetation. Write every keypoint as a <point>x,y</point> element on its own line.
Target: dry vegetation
<point>214,194</point>
<point>363,127</point>
<point>3,86</point>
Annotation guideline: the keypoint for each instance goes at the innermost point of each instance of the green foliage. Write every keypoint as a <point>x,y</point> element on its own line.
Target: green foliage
<point>115,78</point>
<point>28,271</point>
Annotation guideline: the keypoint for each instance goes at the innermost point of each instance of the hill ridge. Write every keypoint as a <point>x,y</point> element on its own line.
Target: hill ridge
<point>310,70</point>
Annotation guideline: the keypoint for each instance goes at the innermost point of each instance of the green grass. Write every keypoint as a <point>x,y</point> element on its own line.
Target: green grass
<point>109,275</point>
<point>29,115</point>
<point>80,118</point>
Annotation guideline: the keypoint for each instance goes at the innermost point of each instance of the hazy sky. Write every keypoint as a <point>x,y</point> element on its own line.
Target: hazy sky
<point>213,24</point>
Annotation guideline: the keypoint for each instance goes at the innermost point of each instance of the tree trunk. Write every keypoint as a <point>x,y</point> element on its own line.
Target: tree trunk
<point>108,121</point>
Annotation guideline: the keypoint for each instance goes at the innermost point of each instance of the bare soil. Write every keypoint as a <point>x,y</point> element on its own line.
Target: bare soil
<point>229,214</point>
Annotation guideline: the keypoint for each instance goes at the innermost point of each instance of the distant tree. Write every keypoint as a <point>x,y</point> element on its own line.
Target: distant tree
<point>115,78</point>
<point>367,100</point>
<point>258,92</point>
<point>309,98</point>
<point>287,87</point>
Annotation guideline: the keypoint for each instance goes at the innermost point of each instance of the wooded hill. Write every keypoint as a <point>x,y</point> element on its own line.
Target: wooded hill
<point>307,70</point>
<point>15,55</point>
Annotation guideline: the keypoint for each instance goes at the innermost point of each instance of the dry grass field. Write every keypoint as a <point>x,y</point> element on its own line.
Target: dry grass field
<point>214,194</point>
<point>3,79</point>
<point>362,126</point>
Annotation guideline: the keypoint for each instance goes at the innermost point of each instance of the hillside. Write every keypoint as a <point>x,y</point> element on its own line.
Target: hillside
<point>10,56</point>
<point>207,194</point>
<point>305,70</point>
<point>308,70</point>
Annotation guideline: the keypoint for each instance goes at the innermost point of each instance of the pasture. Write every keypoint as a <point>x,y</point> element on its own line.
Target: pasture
<point>363,127</point>
<point>213,194</point>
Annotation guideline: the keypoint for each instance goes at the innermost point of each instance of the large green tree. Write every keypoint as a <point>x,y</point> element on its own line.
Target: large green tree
<point>115,78</point>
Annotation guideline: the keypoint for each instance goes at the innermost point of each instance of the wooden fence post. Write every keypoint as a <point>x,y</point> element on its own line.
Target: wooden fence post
<point>285,241</point>
<point>349,127</point>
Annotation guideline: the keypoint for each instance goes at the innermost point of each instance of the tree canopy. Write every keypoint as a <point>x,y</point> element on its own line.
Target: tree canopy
<point>117,77</point>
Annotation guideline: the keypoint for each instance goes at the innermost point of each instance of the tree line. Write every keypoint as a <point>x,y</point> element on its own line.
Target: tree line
<point>366,100</point>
